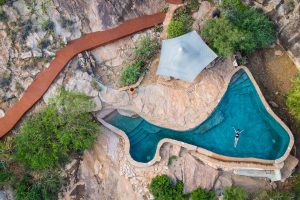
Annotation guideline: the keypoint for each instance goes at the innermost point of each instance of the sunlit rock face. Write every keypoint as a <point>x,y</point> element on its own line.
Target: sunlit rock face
<point>99,15</point>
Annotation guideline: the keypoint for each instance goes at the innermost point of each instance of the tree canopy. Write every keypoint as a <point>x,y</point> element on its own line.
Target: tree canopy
<point>48,137</point>
<point>240,28</point>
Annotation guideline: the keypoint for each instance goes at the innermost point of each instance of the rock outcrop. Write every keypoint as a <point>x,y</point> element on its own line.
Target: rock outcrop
<point>96,15</point>
<point>175,108</point>
<point>286,16</point>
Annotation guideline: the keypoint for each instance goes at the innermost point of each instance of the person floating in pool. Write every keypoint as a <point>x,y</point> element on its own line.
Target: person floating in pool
<point>237,135</point>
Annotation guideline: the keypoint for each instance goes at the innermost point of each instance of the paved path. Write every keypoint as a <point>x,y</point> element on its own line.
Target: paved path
<point>90,41</point>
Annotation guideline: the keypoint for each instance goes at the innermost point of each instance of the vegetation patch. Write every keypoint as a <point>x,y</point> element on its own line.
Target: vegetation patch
<point>131,73</point>
<point>143,53</point>
<point>244,29</point>
<point>293,99</point>
<point>47,25</point>
<point>44,43</point>
<point>162,188</point>
<point>2,2</point>
<point>45,187</point>
<point>235,193</point>
<point>201,194</point>
<point>33,160</point>
<point>193,5</point>
<point>181,22</point>
<point>173,157</point>
<point>273,194</point>
<point>64,127</point>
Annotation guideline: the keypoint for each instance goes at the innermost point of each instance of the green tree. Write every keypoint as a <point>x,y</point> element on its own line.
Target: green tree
<point>259,30</point>
<point>201,194</point>
<point>48,137</point>
<point>235,193</point>
<point>223,42</point>
<point>162,188</point>
<point>293,99</point>
<point>241,28</point>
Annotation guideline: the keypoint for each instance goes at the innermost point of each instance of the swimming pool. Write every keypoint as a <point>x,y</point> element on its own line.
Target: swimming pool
<point>263,137</point>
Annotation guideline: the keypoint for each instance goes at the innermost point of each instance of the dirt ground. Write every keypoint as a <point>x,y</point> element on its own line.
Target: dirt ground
<point>274,70</point>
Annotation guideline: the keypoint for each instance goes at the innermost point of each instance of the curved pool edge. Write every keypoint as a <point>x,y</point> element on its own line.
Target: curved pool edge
<point>271,112</point>
<point>253,163</point>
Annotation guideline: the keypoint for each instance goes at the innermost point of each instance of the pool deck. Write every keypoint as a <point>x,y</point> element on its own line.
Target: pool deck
<point>231,162</point>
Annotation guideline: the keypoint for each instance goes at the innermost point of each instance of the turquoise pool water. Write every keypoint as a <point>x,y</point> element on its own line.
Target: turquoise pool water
<point>263,137</point>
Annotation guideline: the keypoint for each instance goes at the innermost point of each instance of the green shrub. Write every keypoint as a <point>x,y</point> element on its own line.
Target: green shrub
<point>242,60</point>
<point>244,29</point>
<point>235,193</point>
<point>47,25</point>
<point>5,78</point>
<point>296,187</point>
<point>228,5</point>
<point>173,157</point>
<point>48,137</point>
<point>201,194</point>
<point>44,43</point>
<point>47,187</point>
<point>193,5</point>
<point>181,23</point>
<point>131,73</point>
<point>2,2</point>
<point>176,28</point>
<point>293,98</point>
<point>273,195</point>
<point>26,28</point>
<point>259,30</point>
<point>5,174</point>
<point>145,49</point>
<point>162,188</point>
<point>223,42</point>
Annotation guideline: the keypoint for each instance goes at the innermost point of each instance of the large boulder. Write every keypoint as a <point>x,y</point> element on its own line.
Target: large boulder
<point>197,174</point>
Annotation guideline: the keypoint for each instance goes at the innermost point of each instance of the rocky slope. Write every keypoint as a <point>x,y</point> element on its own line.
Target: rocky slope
<point>286,15</point>
<point>104,171</point>
<point>32,31</point>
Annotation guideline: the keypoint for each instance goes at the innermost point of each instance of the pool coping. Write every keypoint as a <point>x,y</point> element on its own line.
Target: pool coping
<point>255,163</point>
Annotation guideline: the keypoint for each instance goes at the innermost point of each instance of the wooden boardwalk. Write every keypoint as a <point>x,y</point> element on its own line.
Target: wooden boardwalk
<point>87,42</point>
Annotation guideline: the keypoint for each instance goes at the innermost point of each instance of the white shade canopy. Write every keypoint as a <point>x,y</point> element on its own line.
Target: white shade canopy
<point>184,57</point>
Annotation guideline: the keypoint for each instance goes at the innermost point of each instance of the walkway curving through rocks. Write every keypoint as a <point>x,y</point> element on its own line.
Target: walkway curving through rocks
<point>90,41</point>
